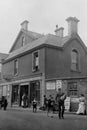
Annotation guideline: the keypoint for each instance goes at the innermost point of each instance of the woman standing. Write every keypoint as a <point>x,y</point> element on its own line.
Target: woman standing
<point>81,108</point>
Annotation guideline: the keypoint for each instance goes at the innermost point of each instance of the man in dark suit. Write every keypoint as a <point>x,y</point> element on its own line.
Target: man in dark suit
<point>60,98</point>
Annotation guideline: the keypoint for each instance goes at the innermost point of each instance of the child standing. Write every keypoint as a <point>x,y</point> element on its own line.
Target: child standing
<point>34,105</point>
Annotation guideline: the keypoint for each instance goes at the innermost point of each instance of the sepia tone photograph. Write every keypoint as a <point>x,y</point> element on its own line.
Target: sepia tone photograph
<point>43,65</point>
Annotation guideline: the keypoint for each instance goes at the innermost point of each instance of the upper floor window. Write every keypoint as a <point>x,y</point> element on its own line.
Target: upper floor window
<point>23,41</point>
<point>35,60</point>
<point>15,67</point>
<point>72,89</point>
<point>74,60</point>
<point>0,67</point>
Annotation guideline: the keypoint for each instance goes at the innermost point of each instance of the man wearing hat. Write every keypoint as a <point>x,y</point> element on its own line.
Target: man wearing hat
<point>60,98</point>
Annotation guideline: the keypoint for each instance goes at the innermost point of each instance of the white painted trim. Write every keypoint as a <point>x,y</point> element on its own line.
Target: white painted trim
<point>22,81</point>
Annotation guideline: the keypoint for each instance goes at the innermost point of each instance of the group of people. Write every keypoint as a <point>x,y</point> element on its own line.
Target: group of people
<point>24,102</point>
<point>49,103</point>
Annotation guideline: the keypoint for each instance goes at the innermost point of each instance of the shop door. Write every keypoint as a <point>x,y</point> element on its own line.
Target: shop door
<point>35,91</point>
<point>23,89</point>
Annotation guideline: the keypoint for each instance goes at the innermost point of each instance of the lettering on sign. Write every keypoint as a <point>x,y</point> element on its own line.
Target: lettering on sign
<point>50,85</point>
<point>58,84</point>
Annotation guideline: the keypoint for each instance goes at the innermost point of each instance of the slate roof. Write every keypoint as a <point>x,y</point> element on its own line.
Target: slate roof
<point>31,34</point>
<point>3,56</point>
<point>48,39</point>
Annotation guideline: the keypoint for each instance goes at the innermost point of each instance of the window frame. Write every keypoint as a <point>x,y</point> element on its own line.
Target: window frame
<point>0,67</point>
<point>35,68</point>
<point>16,67</point>
<point>23,41</point>
<point>75,66</point>
<point>73,89</point>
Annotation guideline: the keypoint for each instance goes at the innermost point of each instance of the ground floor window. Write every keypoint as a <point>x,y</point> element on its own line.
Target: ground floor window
<point>35,91</point>
<point>15,93</point>
<point>72,88</point>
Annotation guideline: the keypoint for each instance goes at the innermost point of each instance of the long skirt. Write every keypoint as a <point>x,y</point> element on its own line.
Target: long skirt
<point>81,108</point>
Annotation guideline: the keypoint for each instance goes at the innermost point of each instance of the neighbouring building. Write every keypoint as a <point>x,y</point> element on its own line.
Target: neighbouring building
<point>2,57</point>
<point>38,64</point>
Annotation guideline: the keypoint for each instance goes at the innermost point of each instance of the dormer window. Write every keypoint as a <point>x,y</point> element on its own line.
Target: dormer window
<point>23,41</point>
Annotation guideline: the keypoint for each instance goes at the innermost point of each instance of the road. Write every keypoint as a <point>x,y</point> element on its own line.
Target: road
<point>26,120</point>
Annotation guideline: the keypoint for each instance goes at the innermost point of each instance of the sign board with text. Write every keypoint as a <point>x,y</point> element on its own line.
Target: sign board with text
<point>50,85</point>
<point>58,84</point>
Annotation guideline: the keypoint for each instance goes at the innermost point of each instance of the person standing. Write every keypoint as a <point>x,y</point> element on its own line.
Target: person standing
<point>50,106</point>
<point>45,102</point>
<point>5,104</point>
<point>24,100</point>
<point>60,98</point>
<point>81,109</point>
<point>34,105</point>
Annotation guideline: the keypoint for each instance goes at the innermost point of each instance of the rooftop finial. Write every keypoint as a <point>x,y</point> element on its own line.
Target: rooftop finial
<point>57,26</point>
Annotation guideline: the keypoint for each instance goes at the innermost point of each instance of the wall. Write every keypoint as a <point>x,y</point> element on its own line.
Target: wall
<point>58,62</point>
<point>24,65</point>
<point>19,41</point>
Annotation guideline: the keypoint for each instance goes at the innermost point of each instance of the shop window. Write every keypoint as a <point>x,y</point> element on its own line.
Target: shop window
<point>35,61</point>
<point>16,67</point>
<point>72,89</point>
<point>35,91</point>
<point>23,41</point>
<point>74,60</point>
<point>15,89</point>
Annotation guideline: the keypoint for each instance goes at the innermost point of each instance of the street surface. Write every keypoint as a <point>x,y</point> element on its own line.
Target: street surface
<point>27,120</point>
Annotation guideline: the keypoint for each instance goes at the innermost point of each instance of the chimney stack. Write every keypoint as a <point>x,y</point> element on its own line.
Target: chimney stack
<point>24,25</point>
<point>59,31</point>
<point>72,25</point>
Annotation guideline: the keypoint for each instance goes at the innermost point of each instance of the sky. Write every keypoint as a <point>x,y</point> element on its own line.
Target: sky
<point>43,16</point>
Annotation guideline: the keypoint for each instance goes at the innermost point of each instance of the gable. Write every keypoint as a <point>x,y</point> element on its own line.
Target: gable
<point>75,42</point>
<point>18,42</point>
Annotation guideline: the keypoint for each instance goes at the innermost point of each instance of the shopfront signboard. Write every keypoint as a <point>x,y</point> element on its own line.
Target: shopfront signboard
<point>50,85</point>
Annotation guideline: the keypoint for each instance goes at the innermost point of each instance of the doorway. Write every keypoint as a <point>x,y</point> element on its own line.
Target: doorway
<point>23,89</point>
<point>35,91</point>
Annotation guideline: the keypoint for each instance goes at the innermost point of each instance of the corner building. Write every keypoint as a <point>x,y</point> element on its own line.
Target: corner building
<point>38,63</point>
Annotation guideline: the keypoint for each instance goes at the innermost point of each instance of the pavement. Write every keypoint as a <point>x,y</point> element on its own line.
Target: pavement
<point>30,109</point>
<point>18,118</point>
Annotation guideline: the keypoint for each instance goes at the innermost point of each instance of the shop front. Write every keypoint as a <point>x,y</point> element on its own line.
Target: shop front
<point>31,89</point>
<point>35,91</point>
<point>73,88</point>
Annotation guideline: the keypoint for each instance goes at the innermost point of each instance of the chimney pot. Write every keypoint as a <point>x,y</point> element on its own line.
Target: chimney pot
<point>59,31</point>
<point>24,25</point>
<point>72,25</point>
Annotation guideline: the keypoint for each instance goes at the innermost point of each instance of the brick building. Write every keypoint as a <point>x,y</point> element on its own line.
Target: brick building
<point>2,57</point>
<point>38,64</point>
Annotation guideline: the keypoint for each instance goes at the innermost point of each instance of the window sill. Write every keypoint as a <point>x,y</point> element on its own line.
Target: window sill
<point>16,74</point>
<point>78,71</point>
<point>35,70</point>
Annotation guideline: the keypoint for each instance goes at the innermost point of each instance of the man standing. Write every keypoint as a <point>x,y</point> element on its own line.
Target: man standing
<point>60,98</point>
